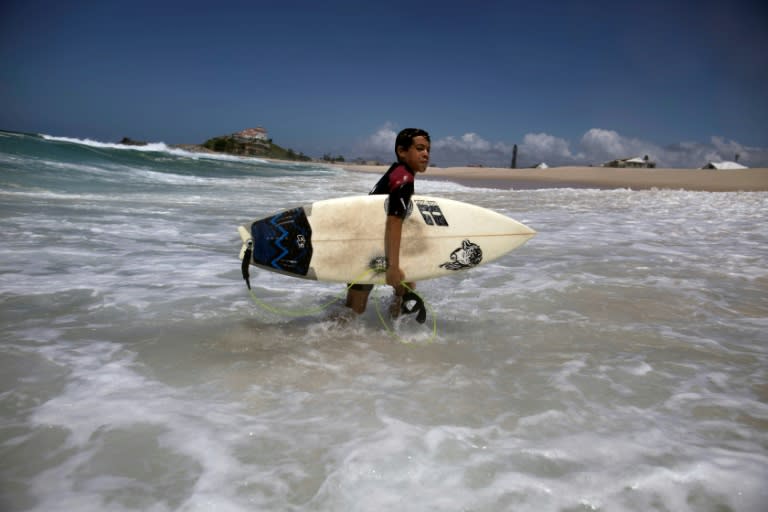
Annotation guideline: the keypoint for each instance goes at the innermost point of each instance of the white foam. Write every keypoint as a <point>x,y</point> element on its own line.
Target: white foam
<point>155,147</point>
<point>613,363</point>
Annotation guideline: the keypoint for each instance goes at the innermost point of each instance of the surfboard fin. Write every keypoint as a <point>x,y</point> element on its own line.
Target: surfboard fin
<point>247,263</point>
<point>417,306</point>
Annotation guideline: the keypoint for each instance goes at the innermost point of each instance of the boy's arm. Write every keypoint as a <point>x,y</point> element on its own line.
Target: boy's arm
<point>392,234</point>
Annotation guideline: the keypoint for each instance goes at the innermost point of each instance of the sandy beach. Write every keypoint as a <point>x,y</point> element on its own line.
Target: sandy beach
<point>595,177</point>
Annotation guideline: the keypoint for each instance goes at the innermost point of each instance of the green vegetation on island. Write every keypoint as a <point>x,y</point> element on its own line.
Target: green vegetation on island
<point>333,159</point>
<point>234,145</point>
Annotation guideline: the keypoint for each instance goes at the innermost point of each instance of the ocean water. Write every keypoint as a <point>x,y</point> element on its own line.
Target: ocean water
<point>617,362</point>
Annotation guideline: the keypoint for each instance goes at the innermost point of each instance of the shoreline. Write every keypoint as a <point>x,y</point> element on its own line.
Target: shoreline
<point>701,180</point>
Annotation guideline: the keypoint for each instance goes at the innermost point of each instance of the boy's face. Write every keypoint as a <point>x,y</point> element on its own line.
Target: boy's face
<point>416,156</point>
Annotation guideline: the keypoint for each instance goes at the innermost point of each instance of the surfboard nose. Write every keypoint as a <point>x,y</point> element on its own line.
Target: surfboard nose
<point>523,229</point>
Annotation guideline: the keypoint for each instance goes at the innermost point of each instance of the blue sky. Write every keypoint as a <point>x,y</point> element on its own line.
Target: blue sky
<point>569,82</point>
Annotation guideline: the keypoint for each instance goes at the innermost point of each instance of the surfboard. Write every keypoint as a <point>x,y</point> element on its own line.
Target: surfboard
<point>342,240</point>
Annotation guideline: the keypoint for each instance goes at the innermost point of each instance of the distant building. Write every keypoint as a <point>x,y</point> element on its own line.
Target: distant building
<point>635,162</point>
<point>724,166</point>
<point>251,134</point>
<point>541,165</point>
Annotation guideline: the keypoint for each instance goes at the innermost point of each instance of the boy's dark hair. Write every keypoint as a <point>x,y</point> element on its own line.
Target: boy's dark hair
<point>406,136</point>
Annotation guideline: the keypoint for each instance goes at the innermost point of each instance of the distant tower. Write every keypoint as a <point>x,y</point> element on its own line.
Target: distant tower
<point>514,157</point>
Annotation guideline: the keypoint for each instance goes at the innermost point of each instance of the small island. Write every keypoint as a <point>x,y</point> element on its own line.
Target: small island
<point>253,142</point>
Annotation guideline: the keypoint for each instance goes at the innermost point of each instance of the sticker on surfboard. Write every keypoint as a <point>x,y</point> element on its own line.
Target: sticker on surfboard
<point>431,213</point>
<point>467,256</point>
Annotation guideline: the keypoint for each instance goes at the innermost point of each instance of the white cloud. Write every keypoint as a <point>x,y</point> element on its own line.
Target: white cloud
<point>467,142</point>
<point>595,147</point>
<point>718,149</point>
<point>453,151</point>
<point>381,144</point>
<point>470,148</point>
<point>542,147</point>
<point>729,148</point>
<point>603,145</point>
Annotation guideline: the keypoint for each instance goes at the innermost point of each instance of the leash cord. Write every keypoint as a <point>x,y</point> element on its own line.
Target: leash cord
<point>420,307</point>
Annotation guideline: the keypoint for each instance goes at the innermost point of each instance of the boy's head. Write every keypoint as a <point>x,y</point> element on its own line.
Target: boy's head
<point>405,137</point>
<point>417,157</point>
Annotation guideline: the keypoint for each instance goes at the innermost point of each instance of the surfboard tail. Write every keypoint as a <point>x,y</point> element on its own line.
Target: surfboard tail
<point>245,236</point>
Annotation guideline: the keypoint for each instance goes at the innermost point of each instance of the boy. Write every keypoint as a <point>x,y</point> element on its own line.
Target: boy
<point>412,149</point>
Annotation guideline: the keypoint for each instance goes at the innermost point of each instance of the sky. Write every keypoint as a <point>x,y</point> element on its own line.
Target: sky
<point>570,83</point>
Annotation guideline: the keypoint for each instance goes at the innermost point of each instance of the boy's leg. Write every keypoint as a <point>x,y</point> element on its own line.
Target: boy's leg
<point>357,297</point>
<point>396,305</point>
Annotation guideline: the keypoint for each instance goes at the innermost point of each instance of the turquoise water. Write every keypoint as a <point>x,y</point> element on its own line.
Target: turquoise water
<point>618,361</point>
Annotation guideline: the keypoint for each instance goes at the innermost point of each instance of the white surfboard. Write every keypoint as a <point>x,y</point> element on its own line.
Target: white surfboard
<point>342,240</point>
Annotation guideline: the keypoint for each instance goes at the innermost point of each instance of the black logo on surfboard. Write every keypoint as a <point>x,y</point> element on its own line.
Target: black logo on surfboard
<point>431,213</point>
<point>466,256</point>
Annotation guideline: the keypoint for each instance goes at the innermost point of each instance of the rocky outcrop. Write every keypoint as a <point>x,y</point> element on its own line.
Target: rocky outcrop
<point>130,142</point>
<point>236,145</point>
<point>252,142</point>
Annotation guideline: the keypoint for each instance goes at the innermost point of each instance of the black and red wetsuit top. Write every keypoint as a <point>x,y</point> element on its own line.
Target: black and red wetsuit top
<point>397,182</point>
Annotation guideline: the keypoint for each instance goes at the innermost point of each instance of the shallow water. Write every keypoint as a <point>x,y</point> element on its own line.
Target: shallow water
<point>618,361</point>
